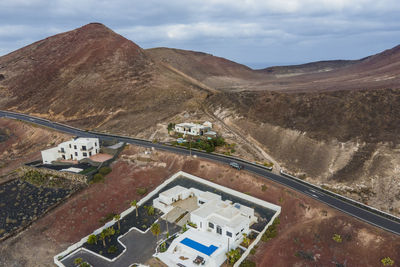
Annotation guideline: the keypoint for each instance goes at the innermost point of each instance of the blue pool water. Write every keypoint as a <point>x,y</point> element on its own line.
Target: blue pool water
<point>199,247</point>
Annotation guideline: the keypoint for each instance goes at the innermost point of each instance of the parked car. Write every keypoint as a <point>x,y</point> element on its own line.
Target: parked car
<point>236,165</point>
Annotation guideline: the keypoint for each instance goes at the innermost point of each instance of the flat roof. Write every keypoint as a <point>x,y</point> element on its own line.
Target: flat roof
<point>209,195</point>
<point>173,191</point>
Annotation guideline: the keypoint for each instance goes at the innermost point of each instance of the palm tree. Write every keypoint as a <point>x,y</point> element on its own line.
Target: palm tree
<point>117,217</point>
<point>92,239</point>
<point>110,232</point>
<point>78,261</point>
<point>150,210</point>
<point>155,229</point>
<point>246,240</point>
<point>134,204</point>
<point>103,236</point>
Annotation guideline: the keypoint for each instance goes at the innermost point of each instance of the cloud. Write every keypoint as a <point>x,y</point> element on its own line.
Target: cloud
<point>223,27</point>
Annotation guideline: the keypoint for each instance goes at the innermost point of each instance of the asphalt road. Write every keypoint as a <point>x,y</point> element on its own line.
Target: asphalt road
<point>355,211</point>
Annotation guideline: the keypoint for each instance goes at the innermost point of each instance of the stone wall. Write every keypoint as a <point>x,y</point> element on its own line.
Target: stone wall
<point>75,177</point>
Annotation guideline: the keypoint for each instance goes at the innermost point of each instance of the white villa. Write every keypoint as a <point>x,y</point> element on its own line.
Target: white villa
<point>220,227</point>
<point>75,149</point>
<point>195,129</point>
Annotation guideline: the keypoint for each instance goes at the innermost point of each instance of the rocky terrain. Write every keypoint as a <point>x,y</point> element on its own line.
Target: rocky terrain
<point>334,123</point>
<point>306,225</point>
<point>22,143</point>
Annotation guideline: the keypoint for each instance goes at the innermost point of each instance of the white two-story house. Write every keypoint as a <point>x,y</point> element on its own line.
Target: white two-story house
<point>219,226</point>
<point>75,149</point>
<point>194,129</point>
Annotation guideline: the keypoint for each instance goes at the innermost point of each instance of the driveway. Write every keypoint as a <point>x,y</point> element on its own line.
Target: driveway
<point>139,249</point>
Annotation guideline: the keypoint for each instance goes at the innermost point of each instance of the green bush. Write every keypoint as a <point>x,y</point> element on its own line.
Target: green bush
<point>387,261</point>
<point>271,232</point>
<point>337,238</point>
<point>247,263</point>
<point>92,239</point>
<point>105,170</point>
<point>97,178</point>
<point>263,187</point>
<point>107,218</point>
<point>141,191</point>
<point>112,249</point>
<point>163,247</point>
<point>233,256</point>
<point>170,126</point>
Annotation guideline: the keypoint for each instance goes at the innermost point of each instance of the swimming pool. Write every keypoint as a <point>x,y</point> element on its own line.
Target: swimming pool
<point>199,247</point>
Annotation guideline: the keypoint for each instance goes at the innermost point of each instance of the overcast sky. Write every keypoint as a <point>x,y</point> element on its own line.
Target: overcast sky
<point>258,33</point>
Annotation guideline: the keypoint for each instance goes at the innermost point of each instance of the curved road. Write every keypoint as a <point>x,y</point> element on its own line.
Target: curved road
<point>355,211</point>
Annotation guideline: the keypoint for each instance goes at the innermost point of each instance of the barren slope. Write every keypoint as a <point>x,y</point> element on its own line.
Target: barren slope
<point>92,75</point>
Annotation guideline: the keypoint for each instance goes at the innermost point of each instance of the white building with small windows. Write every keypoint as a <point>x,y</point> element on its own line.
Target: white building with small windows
<point>75,149</point>
<point>220,225</point>
<point>195,129</point>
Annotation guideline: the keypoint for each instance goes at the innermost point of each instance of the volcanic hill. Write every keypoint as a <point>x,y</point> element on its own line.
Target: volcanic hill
<point>93,77</point>
<point>334,123</point>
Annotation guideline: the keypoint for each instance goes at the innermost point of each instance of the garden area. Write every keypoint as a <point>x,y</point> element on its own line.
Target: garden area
<point>106,243</point>
<point>24,200</point>
<point>145,216</point>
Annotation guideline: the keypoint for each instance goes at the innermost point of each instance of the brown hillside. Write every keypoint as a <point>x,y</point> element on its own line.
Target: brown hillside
<point>216,72</point>
<point>91,75</point>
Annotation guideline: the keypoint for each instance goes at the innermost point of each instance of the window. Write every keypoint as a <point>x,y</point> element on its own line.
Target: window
<point>84,154</point>
<point>201,202</point>
<point>84,148</point>
<point>96,151</point>
<point>62,150</point>
<point>229,234</point>
<point>95,143</point>
<point>76,153</point>
<point>63,156</point>
<point>211,225</point>
<point>237,233</point>
<point>219,230</point>
<point>90,153</point>
<point>242,230</point>
<point>69,145</point>
<point>74,146</point>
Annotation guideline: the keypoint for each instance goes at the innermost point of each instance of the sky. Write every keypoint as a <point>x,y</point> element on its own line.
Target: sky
<point>257,33</point>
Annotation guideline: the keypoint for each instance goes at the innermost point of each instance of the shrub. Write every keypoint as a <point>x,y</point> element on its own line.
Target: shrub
<point>97,178</point>
<point>263,187</point>
<point>78,261</point>
<point>92,239</point>
<point>107,218</point>
<point>253,251</point>
<point>192,224</point>
<point>271,232</point>
<point>387,261</point>
<point>305,255</point>
<point>337,238</point>
<point>150,210</point>
<point>105,170</point>
<point>163,247</point>
<point>233,256</point>
<point>170,126</point>
<point>112,249</point>
<point>141,191</point>
<point>247,263</point>
<point>268,164</point>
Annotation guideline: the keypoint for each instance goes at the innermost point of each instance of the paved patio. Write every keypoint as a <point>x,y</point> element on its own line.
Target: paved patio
<point>140,249</point>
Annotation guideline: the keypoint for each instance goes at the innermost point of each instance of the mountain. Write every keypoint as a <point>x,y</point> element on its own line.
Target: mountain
<point>93,77</point>
<point>216,72</point>
<point>374,72</point>
<point>335,123</point>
